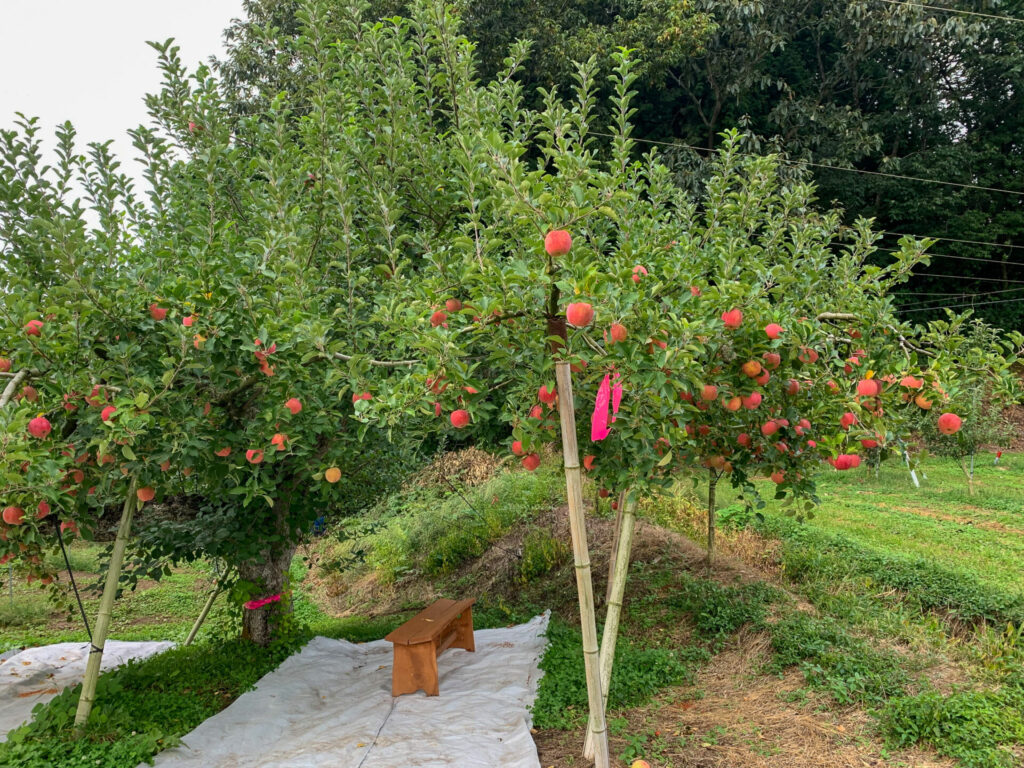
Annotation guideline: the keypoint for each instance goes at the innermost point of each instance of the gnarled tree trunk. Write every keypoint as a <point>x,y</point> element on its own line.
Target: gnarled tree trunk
<point>269,573</point>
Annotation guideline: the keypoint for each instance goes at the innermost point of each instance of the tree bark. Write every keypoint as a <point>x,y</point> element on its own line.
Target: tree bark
<point>269,575</point>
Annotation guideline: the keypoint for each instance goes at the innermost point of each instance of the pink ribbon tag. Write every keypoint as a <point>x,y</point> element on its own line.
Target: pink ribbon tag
<point>252,605</point>
<point>599,421</point>
<point>616,396</point>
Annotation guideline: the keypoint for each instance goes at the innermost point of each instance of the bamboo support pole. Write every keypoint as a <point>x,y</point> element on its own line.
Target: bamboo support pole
<point>617,579</point>
<point>615,547</point>
<point>581,556</point>
<point>99,635</point>
<point>202,615</point>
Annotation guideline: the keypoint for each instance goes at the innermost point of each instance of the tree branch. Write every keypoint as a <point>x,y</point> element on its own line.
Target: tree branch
<point>12,387</point>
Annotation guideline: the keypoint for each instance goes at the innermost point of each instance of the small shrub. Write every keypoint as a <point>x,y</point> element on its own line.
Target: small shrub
<point>967,725</point>
<point>846,667</point>
<point>541,553</point>
<point>636,676</point>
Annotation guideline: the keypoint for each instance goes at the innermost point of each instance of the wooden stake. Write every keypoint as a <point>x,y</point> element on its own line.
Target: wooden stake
<point>712,484</point>
<point>615,548</point>
<point>617,581</point>
<point>202,615</point>
<point>99,635</point>
<point>581,557</point>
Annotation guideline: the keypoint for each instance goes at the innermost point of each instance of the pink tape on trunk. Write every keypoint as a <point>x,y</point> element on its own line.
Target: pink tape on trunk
<point>599,421</point>
<point>252,605</point>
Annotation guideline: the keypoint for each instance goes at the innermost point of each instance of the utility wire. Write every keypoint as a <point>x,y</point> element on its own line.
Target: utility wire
<point>961,294</point>
<point>959,306</point>
<point>809,163</point>
<point>993,260</point>
<point>951,10</point>
<point>951,239</point>
<point>938,303</point>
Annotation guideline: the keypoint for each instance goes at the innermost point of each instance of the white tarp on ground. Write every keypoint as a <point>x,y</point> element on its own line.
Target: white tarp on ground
<point>38,674</point>
<point>330,706</point>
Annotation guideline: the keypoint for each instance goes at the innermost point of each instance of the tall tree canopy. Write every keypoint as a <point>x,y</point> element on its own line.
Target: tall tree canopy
<point>871,85</point>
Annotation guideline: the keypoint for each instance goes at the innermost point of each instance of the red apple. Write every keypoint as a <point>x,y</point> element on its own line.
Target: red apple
<point>751,368</point>
<point>808,355</point>
<point>733,318</point>
<point>709,392</point>
<point>778,477</point>
<point>949,423</point>
<point>793,387</point>
<point>42,510</point>
<point>223,452</point>
<point>558,242</point>
<point>773,330</point>
<point>911,382</point>
<point>772,360</point>
<point>769,428</point>
<point>157,312</point>
<point>13,515</point>
<point>869,388</point>
<point>294,405</point>
<point>588,462</point>
<point>547,396</point>
<point>107,413</point>
<point>187,321</point>
<point>579,314</point>
<point>744,439</point>
<point>751,401</point>
<point>438,318</point>
<point>517,448</point>
<point>617,332</point>
<point>5,365</point>
<point>453,305</point>
<point>847,420</point>
<point>39,427</point>
<point>279,441</point>
<point>531,462</point>
<point>145,494</point>
<point>33,327</point>
<point>733,403</point>
<point>459,418</point>
<point>254,455</point>
<point>637,272</point>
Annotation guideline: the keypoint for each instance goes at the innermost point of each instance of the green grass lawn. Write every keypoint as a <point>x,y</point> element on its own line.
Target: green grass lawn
<point>163,611</point>
<point>982,535</point>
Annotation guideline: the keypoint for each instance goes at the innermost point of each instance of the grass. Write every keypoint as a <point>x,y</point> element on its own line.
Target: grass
<point>881,614</point>
<point>980,535</point>
<point>163,611</point>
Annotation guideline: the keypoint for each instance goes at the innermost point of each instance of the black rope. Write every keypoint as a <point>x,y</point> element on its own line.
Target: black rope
<point>74,586</point>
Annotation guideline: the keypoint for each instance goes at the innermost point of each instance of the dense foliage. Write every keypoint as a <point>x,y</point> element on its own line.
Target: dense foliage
<point>364,256</point>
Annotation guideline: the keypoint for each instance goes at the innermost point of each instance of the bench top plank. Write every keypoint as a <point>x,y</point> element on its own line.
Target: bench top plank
<point>429,623</point>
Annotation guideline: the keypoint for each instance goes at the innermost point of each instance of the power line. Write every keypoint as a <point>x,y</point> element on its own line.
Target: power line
<point>959,306</point>
<point>964,277</point>
<point>938,303</point>
<point>809,163</point>
<point>961,258</point>
<point>950,239</point>
<point>958,293</point>
<point>951,10</point>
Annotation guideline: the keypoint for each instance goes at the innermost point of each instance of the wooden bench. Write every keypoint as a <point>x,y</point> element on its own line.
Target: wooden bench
<point>424,637</point>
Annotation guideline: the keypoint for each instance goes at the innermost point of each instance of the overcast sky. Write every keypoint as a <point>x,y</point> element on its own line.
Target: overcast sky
<point>87,60</point>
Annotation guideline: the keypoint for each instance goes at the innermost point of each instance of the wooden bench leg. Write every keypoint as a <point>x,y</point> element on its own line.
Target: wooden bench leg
<point>414,668</point>
<point>464,631</point>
